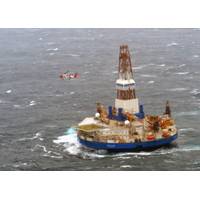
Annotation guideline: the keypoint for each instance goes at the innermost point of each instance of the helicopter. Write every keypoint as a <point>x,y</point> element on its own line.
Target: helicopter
<point>69,75</point>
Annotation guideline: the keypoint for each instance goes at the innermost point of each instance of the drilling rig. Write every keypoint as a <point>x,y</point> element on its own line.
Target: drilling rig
<point>125,84</point>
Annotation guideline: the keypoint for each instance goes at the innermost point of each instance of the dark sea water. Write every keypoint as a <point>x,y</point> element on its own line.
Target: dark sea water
<point>36,107</point>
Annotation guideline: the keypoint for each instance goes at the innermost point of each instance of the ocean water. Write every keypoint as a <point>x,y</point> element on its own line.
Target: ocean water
<point>37,107</point>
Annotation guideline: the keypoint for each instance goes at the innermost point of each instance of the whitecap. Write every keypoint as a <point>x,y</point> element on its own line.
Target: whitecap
<point>190,148</point>
<point>197,94</point>
<point>194,91</point>
<point>8,91</point>
<point>151,82</point>
<point>51,54</point>
<point>32,103</point>
<point>50,126</point>
<point>172,44</point>
<point>37,135</point>
<point>72,92</point>
<point>16,106</point>
<point>71,139</point>
<point>135,68</point>
<point>73,147</point>
<point>147,75</point>
<point>40,39</point>
<point>162,65</point>
<point>53,155</point>
<point>183,130</point>
<point>38,146</point>
<point>122,158</point>
<point>73,55</point>
<point>53,49</point>
<point>182,73</point>
<point>177,89</point>
<point>141,153</point>
<point>70,142</point>
<point>189,113</point>
<point>142,66</point>
<point>125,166</point>
<point>195,56</point>
<point>182,65</point>
<point>20,165</point>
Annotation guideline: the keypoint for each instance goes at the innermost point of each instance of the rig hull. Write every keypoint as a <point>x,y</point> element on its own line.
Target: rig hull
<point>136,146</point>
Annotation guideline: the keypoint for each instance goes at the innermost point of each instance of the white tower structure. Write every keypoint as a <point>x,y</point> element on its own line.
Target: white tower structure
<point>125,83</point>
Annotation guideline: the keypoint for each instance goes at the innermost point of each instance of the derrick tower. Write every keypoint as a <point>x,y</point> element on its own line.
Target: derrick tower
<point>125,84</point>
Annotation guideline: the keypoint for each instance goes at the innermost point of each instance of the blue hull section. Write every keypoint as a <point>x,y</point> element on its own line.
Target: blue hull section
<point>129,146</point>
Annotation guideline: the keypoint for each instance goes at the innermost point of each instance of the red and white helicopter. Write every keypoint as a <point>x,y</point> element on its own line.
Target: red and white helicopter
<point>69,75</point>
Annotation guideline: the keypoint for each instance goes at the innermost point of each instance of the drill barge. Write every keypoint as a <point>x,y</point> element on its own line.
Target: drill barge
<point>125,126</point>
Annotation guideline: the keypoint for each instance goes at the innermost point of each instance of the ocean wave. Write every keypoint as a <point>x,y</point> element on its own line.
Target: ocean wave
<point>151,82</point>
<point>50,126</point>
<point>125,166</point>
<point>177,89</point>
<point>184,130</point>
<point>8,91</point>
<point>143,66</point>
<point>20,165</point>
<point>195,91</point>
<point>51,54</point>
<point>73,55</point>
<point>73,147</point>
<point>162,65</point>
<point>197,95</point>
<point>53,49</point>
<point>36,136</point>
<point>39,147</point>
<point>182,65</point>
<point>182,73</point>
<point>190,148</point>
<point>54,155</point>
<point>32,103</point>
<point>17,106</point>
<point>172,44</point>
<point>189,113</point>
<point>148,76</point>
